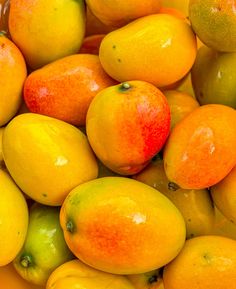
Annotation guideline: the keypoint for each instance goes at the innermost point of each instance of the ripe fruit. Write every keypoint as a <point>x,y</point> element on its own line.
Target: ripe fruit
<point>64,88</point>
<point>180,5</point>
<point>1,156</point>
<point>12,76</point>
<point>10,279</point>
<point>213,77</point>
<point>204,262</point>
<point>214,22</point>
<point>147,280</point>
<point>13,219</point>
<point>195,205</point>
<point>200,150</point>
<point>112,223</point>
<point>47,157</point>
<point>119,13</point>
<point>224,196</point>
<point>44,248</point>
<point>181,104</point>
<point>75,274</point>
<point>59,34</point>
<point>159,49</point>
<point>127,125</point>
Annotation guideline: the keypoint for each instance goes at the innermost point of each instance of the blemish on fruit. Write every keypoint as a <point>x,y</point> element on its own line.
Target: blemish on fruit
<point>26,261</point>
<point>114,46</point>
<point>119,60</point>
<point>70,226</point>
<point>44,195</point>
<point>153,279</point>
<point>172,186</point>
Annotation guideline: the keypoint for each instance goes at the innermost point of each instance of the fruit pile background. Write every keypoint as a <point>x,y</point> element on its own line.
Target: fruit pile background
<point>117,144</point>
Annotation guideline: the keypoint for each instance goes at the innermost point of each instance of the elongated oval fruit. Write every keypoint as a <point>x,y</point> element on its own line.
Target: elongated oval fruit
<point>112,223</point>
<point>127,124</point>
<point>44,248</point>
<point>59,34</point>
<point>47,157</point>
<point>158,48</point>
<point>13,219</point>
<point>200,151</point>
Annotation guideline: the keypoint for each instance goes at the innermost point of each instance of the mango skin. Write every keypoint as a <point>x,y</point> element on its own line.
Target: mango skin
<point>126,127</point>
<point>12,76</point>
<point>39,155</point>
<point>224,197</point>
<point>196,206</point>
<point>112,223</point>
<point>213,77</point>
<point>158,48</point>
<point>59,34</point>
<point>200,151</point>
<point>44,245</point>
<point>75,274</point>
<point>14,219</point>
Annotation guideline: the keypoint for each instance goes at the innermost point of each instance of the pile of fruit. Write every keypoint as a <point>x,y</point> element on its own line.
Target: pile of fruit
<point>117,144</point>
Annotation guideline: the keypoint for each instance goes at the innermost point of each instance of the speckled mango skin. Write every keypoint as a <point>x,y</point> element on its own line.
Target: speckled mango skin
<point>47,157</point>
<point>200,151</point>
<point>121,226</point>
<point>65,88</point>
<point>158,48</point>
<point>47,30</point>
<point>127,127</point>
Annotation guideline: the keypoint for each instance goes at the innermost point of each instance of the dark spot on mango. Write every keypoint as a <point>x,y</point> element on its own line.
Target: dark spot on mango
<point>70,227</point>
<point>114,46</point>
<point>207,257</point>
<point>153,279</point>
<point>119,60</point>
<point>189,220</point>
<point>44,195</point>
<point>2,45</point>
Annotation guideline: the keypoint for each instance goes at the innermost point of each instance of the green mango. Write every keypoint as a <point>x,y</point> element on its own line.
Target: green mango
<point>214,77</point>
<point>45,248</point>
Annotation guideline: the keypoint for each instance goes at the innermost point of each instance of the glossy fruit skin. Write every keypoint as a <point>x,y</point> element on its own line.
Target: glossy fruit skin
<point>59,34</point>
<point>147,280</point>
<point>224,197</point>
<point>112,223</point>
<point>204,262</point>
<point>181,104</point>
<point>117,13</point>
<point>195,205</point>
<point>38,154</point>
<point>44,248</point>
<point>10,279</point>
<point>65,88</point>
<point>163,45</point>
<point>200,150</point>
<point>12,207</point>
<point>214,22</point>
<point>213,77</point>
<point>127,124</point>
<point>75,274</point>
<point>12,76</point>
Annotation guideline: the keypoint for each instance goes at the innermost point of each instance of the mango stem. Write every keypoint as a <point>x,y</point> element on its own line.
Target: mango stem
<point>26,261</point>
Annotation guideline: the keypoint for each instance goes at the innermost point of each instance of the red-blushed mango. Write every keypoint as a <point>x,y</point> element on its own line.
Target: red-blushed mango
<point>116,13</point>
<point>224,196</point>
<point>206,262</point>
<point>64,88</point>
<point>121,226</point>
<point>75,274</point>
<point>200,151</point>
<point>58,34</point>
<point>12,76</point>
<point>127,124</point>
<point>159,49</point>
<point>47,157</point>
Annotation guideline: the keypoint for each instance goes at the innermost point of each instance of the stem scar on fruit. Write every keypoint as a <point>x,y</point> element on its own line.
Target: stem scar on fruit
<point>125,86</point>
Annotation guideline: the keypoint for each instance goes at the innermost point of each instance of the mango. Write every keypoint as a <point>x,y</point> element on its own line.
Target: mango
<point>12,76</point>
<point>112,223</point>
<point>158,48</point>
<point>213,77</point>
<point>200,150</point>
<point>47,157</point>
<point>59,34</point>
<point>44,248</point>
<point>127,124</point>
<point>75,274</point>
<point>13,219</point>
